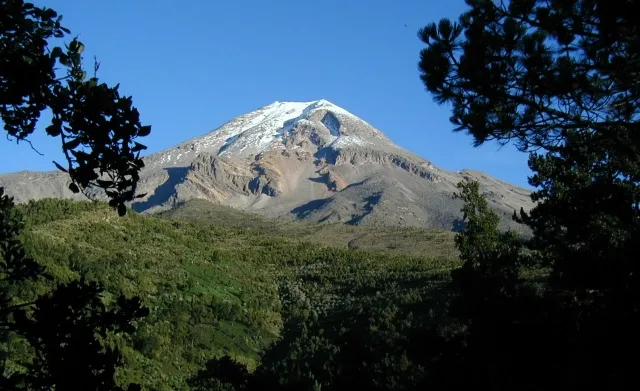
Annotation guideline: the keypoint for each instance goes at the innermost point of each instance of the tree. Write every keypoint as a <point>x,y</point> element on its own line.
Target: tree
<point>67,328</point>
<point>490,261</point>
<point>97,127</point>
<point>15,268</point>
<point>495,307</point>
<point>220,374</point>
<point>536,72</point>
<point>559,78</point>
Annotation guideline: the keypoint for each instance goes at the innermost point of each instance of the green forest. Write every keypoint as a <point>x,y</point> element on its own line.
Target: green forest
<point>215,291</point>
<point>96,297</point>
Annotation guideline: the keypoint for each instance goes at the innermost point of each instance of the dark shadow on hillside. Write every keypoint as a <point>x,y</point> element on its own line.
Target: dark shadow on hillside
<point>306,209</point>
<point>371,201</point>
<point>355,184</point>
<point>227,143</point>
<point>322,179</point>
<point>355,344</point>
<point>163,192</point>
<point>458,225</point>
<point>327,153</point>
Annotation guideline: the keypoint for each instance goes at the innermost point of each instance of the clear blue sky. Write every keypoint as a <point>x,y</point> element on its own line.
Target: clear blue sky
<point>192,65</point>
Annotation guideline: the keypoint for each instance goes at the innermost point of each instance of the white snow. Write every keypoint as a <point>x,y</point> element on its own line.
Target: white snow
<point>262,130</point>
<point>304,121</point>
<point>228,142</point>
<point>350,141</point>
<point>325,104</point>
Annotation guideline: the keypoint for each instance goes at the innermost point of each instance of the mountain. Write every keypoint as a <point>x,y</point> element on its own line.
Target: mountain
<point>310,161</point>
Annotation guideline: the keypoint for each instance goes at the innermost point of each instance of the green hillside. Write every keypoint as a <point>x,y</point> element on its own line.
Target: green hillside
<point>393,240</point>
<point>215,289</point>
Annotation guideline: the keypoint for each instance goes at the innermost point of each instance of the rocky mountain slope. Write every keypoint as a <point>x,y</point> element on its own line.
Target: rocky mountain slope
<point>310,161</point>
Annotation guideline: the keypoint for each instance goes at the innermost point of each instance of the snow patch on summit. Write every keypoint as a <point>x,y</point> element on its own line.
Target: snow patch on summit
<point>228,143</point>
<point>264,129</point>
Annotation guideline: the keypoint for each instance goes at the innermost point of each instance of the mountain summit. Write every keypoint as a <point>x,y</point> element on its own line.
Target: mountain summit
<point>304,160</point>
<point>275,128</point>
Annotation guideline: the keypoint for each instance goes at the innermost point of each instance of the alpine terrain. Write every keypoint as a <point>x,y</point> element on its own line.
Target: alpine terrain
<point>310,161</point>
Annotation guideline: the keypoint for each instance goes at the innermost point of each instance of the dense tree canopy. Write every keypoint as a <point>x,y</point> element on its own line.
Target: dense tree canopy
<point>560,79</point>
<point>559,310</point>
<point>539,72</point>
<point>66,328</point>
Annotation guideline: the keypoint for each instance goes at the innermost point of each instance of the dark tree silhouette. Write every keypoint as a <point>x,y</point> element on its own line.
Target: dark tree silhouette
<point>490,269</point>
<point>15,268</point>
<point>535,72</point>
<point>560,79</point>
<point>504,333</point>
<point>220,374</point>
<point>67,329</point>
<point>97,127</point>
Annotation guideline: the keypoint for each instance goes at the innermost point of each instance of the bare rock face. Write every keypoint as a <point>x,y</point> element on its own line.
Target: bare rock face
<point>216,178</point>
<point>304,160</point>
<point>334,181</point>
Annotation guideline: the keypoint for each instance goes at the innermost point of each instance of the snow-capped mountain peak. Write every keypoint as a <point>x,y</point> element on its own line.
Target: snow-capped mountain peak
<point>305,160</point>
<point>269,128</point>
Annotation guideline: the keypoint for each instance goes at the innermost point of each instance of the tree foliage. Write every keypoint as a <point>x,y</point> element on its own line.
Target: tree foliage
<point>97,127</point>
<point>66,330</point>
<point>559,78</point>
<point>490,268</point>
<point>537,72</point>
<point>561,310</point>
<point>249,302</point>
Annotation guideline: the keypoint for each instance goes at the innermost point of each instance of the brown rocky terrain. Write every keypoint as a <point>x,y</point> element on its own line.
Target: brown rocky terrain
<point>310,161</point>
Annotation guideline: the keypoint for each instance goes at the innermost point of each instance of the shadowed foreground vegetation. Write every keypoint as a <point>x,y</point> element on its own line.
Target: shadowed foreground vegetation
<point>217,291</point>
<point>192,305</point>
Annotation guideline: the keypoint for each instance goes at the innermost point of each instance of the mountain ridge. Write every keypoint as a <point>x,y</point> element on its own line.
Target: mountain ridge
<point>312,161</point>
